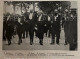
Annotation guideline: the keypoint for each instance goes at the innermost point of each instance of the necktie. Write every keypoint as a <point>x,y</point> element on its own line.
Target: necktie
<point>55,18</point>
<point>40,17</point>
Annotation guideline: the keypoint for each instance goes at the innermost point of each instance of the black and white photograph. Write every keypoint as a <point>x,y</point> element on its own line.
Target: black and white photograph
<point>40,25</point>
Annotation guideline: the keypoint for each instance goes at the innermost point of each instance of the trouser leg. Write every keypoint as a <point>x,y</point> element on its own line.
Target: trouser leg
<point>57,36</point>
<point>9,41</point>
<point>31,32</point>
<point>31,38</point>
<point>31,41</point>
<point>66,38</point>
<point>4,37</point>
<point>53,38</point>
<point>49,33</point>
<point>24,34</point>
<point>71,46</point>
<point>41,41</point>
<point>20,39</point>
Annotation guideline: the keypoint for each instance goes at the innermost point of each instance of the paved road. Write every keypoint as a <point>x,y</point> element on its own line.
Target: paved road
<point>36,46</point>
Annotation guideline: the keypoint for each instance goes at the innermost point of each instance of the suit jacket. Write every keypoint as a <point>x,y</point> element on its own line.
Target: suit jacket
<point>56,24</point>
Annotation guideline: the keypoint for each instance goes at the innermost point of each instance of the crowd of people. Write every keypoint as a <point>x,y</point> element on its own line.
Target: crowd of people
<point>39,24</point>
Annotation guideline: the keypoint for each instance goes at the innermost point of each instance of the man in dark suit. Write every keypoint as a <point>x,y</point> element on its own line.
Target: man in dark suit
<point>23,26</point>
<point>26,24</point>
<point>9,30</point>
<point>66,29</point>
<point>32,18</point>
<point>19,29</point>
<point>70,27</point>
<point>40,30</point>
<point>4,27</point>
<point>55,28</point>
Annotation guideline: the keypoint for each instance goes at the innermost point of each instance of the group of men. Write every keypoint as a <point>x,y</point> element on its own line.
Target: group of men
<point>40,24</point>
